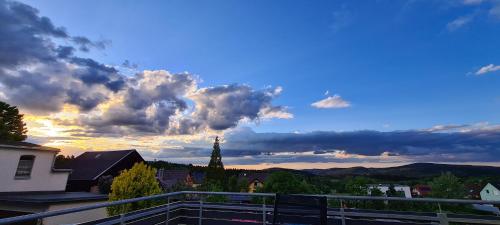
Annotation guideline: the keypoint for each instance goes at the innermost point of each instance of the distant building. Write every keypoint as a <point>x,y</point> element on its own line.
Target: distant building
<point>491,192</point>
<point>90,166</point>
<point>404,189</point>
<point>169,178</point>
<point>29,167</point>
<point>421,190</point>
<point>254,180</point>
<point>473,191</point>
<point>198,178</point>
<point>30,184</point>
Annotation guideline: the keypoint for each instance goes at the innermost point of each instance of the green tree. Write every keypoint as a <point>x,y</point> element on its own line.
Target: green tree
<point>357,185</point>
<point>12,127</point>
<point>139,181</point>
<point>447,186</point>
<point>287,183</point>
<point>214,186</point>
<point>104,184</point>
<point>215,166</point>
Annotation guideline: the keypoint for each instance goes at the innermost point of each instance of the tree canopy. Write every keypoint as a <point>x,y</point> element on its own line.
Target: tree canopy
<point>12,126</point>
<point>287,183</point>
<point>139,181</point>
<point>447,186</point>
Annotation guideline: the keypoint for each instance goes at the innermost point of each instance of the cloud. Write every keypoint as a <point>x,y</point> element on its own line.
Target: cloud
<point>341,18</point>
<point>487,69</point>
<point>477,143</point>
<point>42,76</point>
<point>472,2</point>
<point>223,107</point>
<point>331,102</point>
<point>459,22</point>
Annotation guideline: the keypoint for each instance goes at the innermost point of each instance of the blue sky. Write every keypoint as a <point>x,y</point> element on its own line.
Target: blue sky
<point>389,65</point>
<point>395,61</point>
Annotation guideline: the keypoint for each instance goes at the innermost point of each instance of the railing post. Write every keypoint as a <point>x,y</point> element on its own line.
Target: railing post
<point>264,210</point>
<point>168,211</point>
<point>201,211</point>
<point>122,219</point>
<point>342,216</point>
<point>443,219</point>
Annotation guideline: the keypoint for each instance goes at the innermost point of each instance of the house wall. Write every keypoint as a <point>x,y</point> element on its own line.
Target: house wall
<point>490,193</point>
<point>78,217</point>
<point>42,177</point>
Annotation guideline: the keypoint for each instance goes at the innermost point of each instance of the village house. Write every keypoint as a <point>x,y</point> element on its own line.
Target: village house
<point>30,184</point>
<point>421,190</point>
<point>403,189</point>
<point>491,192</point>
<point>254,180</point>
<point>198,178</point>
<point>169,178</point>
<point>90,166</point>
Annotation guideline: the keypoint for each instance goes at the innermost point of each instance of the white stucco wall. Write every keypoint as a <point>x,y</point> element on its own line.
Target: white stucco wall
<point>42,177</point>
<point>490,193</point>
<point>78,217</point>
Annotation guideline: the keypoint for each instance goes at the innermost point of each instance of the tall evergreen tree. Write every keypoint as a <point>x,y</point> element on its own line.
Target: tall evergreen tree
<point>215,166</point>
<point>12,127</point>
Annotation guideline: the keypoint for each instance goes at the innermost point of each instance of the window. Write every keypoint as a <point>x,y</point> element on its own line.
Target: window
<point>24,167</point>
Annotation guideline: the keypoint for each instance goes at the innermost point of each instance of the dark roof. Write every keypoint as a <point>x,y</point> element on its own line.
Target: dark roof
<point>169,178</point>
<point>51,197</point>
<point>89,165</point>
<point>198,177</point>
<point>25,145</point>
<point>496,184</point>
<point>250,177</point>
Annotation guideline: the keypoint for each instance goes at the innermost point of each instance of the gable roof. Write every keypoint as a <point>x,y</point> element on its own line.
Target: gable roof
<point>25,145</point>
<point>250,177</point>
<point>90,165</point>
<point>169,178</point>
<point>496,185</point>
<point>198,177</point>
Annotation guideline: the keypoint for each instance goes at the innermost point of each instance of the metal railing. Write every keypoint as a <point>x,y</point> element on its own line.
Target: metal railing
<point>200,205</point>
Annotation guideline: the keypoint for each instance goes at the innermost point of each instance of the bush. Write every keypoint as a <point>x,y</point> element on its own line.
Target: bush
<point>139,181</point>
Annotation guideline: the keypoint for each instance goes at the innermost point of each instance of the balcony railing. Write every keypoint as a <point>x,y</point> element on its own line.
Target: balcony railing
<point>193,207</point>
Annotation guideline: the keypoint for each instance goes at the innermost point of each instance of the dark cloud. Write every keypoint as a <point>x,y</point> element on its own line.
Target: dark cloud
<point>223,107</point>
<point>471,145</point>
<point>85,44</point>
<point>28,49</point>
<point>40,75</point>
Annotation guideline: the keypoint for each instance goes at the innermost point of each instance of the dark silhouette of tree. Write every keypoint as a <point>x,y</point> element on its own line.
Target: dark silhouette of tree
<point>64,162</point>
<point>215,166</point>
<point>12,127</point>
<point>287,183</point>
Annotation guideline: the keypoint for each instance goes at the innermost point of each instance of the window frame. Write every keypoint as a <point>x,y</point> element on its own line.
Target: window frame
<point>27,176</point>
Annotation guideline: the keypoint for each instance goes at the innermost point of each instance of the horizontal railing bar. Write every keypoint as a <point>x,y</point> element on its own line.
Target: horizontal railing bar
<point>82,208</point>
<point>153,197</point>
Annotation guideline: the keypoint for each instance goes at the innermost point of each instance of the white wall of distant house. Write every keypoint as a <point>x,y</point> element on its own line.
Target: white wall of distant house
<point>42,177</point>
<point>385,188</point>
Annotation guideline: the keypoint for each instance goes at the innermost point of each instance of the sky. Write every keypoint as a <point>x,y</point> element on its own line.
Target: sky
<point>296,84</point>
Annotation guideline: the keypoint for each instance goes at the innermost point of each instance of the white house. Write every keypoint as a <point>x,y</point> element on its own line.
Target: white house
<point>29,167</point>
<point>385,187</point>
<point>491,192</point>
<point>30,184</point>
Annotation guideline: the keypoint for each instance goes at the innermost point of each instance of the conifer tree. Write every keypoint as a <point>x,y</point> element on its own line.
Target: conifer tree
<point>12,127</point>
<point>215,166</point>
